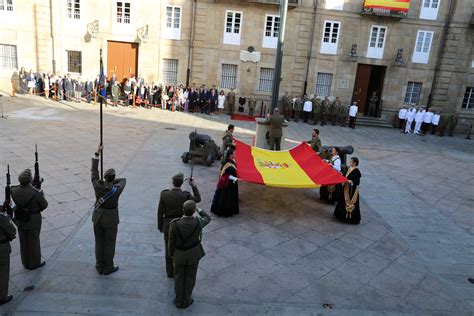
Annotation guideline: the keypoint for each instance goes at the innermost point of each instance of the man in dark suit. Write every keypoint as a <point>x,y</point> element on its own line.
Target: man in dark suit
<point>276,129</point>
<point>185,247</point>
<point>89,87</point>
<point>69,87</point>
<point>193,97</point>
<point>204,98</point>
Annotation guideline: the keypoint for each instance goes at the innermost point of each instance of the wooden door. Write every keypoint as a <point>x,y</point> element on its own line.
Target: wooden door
<point>361,86</point>
<point>122,59</point>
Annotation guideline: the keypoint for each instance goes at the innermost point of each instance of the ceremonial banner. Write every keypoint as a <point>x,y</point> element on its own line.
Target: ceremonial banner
<point>299,167</point>
<point>387,7</point>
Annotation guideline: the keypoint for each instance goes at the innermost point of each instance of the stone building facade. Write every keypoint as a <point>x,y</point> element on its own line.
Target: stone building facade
<point>425,56</point>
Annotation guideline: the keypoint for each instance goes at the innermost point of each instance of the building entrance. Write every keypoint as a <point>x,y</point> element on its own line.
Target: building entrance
<point>369,79</point>
<point>122,60</point>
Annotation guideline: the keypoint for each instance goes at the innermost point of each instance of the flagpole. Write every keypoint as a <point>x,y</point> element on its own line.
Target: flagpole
<point>101,79</point>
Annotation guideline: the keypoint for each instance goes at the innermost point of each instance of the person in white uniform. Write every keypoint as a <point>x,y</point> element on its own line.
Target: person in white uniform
<point>353,114</point>
<point>307,108</point>
<point>426,126</point>
<point>402,115</point>
<point>435,122</point>
<point>420,115</point>
<point>409,120</point>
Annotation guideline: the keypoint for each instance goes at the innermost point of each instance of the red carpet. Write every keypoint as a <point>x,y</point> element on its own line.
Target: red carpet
<point>241,117</point>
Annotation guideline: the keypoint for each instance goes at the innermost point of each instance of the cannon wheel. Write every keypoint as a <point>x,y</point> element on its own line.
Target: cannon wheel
<point>209,160</point>
<point>185,157</point>
<point>218,155</point>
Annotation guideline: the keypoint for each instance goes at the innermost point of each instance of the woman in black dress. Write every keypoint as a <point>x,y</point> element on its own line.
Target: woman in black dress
<point>347,208</point>
<point>226,197</point>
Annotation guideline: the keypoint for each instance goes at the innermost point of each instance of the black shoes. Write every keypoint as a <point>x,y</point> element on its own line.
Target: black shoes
<point>184,306</point>
<point>38,266</point>
<point>114,269</point>
<point>6,299</point>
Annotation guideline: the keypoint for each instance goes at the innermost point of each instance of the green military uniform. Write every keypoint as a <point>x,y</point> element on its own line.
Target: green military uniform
<point>343,111</point>
<point>336,105</point>
<point>443,122</point>
<point>252,104</point>
<point>105,218</point>
<point>186,249</point>
<point>298,108</point>
<point>276,130</point>
<point>286,105</point>
<point>331,113</point>
<point>316,109</point>
<point>7,234</point>
<point>315,143</point>
<point>324,111</point>
<point>230,102</point>
<point>453,122</point>
<point>29,203</point>
<point>227,141</point>
<point>170,207</point>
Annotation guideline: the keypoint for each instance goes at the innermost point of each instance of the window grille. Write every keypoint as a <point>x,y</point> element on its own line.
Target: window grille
<point>266,79</point>
<point>412,95</point>
<point>468,101</point>
<point>229,76</point>
<point>8,57</point>
<point>74,61</point>
<point>323,84</point>
<point>170,71</point>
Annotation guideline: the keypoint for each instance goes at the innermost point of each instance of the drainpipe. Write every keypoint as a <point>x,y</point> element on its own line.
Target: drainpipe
<point>191,43</point>
<point>452,6</point>
<point>310,51</point>
<point>51,23</point>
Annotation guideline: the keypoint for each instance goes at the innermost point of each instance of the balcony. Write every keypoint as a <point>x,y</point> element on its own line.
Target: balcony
<point>389,8</point>
<point>291,3</point>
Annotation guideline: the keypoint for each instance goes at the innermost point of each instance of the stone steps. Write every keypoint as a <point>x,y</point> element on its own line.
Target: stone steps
<point>372,121</point>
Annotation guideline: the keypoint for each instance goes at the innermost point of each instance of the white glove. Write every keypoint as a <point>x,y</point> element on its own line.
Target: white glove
<point>234,179</point>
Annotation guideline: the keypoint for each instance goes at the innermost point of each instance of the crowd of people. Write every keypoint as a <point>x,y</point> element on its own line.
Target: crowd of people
<point>423,121</point>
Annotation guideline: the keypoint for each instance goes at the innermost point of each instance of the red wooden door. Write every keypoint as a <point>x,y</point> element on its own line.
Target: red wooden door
<point>361,86</point>
<point>122,59</point>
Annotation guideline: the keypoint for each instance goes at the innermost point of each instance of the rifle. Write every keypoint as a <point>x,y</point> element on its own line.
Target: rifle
<point>7,208</point>
<point>37,180</point>
<point>192,158</point>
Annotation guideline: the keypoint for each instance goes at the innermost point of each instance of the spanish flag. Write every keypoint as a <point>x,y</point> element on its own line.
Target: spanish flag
<point>392,5</point>
<point>299,167</point>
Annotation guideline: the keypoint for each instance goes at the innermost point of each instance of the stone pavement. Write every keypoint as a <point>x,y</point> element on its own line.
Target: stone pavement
<point>284,254</point>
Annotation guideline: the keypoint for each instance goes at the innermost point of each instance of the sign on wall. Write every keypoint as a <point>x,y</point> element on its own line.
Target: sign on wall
<point>387,7</point>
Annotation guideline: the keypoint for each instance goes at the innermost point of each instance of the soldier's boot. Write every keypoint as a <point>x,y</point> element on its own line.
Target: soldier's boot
<point>6,299</point>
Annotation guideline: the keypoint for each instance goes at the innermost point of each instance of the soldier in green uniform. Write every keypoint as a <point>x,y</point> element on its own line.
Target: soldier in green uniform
<point>228,138</point>
<point>298,108</point>
<point>343,111</point>
<point>276,129</point>
<point>170,207</point>
<point>7,234</point>
<point>106,215</point>
<point>286,105</point>
<point>315,142</point>
<point>29,203</point>
<point>331,112</point>
<point>336,105</point>
<point>184,246</point>
<point>316,109</point>
<point>252,105</point>
<point>324,110</point>
<point>453,122</point>
<point>230,102</point>
<point>442,124</point>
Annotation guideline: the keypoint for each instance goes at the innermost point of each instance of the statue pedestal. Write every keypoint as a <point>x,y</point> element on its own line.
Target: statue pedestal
<point>262,139</point>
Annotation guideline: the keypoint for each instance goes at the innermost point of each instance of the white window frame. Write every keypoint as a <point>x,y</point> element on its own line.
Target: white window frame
<point>265,84</point>
<point>172,32</point>
<point>73,14</point>
<point>229,78</point>
<point>429,9</point>
<point>13,50</point>
<point>170,71</point>
<point>413,93</point>
<point>376,51</point>
<point>421,52</point>
<point>323,84</point>
<point>468,99</point>
<point>328,47</point>
<point>7,8</point>
<point>232,38</point>
<point>123,20</point>
<point>272,40</point>
<point>335,5</point>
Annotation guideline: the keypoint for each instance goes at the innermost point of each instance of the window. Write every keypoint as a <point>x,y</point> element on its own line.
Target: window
<point>123,12</point>
<point>335,4</point>
<point>323,84</point>
<point>412,95</point>
<point>229,76</point>
<point>468,102</point>
<point>429,9</point>
<point>266,79</point>
<point>233,22</point>
<point>6,5</point>
<point>173,23</point>
<point>330,37</point>
<point>170,71</point>
<point>74,61</point>
<point>272,28</point>
<point>421,54</point>
<point>8,57</point>
<point>73,9</point>
<point>377,42</point>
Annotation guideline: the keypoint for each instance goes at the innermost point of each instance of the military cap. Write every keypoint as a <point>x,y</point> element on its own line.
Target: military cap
<point>109,172</point>
<point>25,176</point>
<point>178,177</point>
<point>189,206</point>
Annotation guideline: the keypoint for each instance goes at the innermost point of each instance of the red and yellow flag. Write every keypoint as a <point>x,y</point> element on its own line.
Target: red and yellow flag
<point>392,5</point>
<point>299,167</point>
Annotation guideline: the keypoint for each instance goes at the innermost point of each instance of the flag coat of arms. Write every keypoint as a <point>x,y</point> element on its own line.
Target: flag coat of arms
<point>299,167</point>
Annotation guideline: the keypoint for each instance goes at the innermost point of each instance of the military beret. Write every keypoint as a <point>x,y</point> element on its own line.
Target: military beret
<point>109,172</point>
<point>25,176</point>
<point>178,177</point>
<point>189,206</point>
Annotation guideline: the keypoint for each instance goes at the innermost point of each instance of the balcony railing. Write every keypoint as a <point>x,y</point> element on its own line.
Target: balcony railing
<point>291,3</point>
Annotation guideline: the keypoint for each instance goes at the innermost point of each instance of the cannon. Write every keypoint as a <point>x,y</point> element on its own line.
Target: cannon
<point>201,148</point>
<point>343,152</point>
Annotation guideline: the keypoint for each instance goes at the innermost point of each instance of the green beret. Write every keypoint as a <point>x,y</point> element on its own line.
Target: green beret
<point>25,176</point>
<point>189,206</point>
<point>109,172</point>
<point>178,177</point>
